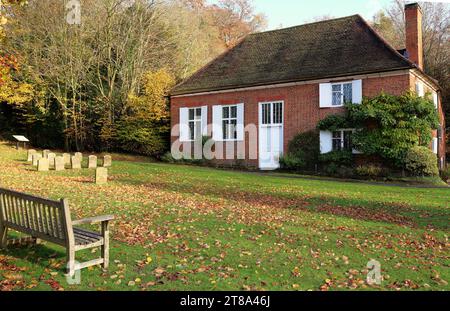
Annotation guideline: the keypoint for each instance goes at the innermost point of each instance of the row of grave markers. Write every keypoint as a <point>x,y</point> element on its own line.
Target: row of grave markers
<point>44,160</point>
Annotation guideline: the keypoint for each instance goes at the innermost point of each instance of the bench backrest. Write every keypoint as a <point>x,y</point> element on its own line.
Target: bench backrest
<point>38,217</point>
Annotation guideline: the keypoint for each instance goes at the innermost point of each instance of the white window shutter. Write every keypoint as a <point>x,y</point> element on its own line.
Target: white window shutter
<point>435,100</point>
<point>435,145</point>
<point>240,122</point>
<point>420,90</point>
<point>325,95</point>
<point>205,120</point>
<point>357,91</point>
<point>217,123</point>
<point>184,126</point>
<point>326,141</point>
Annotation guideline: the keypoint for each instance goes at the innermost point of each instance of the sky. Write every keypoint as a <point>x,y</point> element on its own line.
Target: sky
<point>286,13</point>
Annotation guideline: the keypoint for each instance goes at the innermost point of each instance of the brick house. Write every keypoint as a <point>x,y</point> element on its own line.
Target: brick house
<point>285,81</point>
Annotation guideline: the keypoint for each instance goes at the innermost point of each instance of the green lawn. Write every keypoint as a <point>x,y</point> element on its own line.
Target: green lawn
<point>192,228</point>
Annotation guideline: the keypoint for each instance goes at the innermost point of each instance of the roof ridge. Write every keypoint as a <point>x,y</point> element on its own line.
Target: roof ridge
<point>307,24</point>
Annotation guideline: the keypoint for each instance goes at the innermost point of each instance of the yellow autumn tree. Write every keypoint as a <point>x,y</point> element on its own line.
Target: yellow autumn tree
<point>144,126</point>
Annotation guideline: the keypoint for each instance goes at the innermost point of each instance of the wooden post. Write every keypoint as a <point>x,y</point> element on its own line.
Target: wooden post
<point>3,236</point>
<point>105,246</point>
<point>70,241</point>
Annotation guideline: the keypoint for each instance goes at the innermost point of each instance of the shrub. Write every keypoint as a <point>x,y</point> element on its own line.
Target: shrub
<point>303,151</point>
<point>421,160</point>
<point>331,169</point>
<point>291,162</point>
<point>369,170</point>
<point>168,158</point>
<point>340,158</point>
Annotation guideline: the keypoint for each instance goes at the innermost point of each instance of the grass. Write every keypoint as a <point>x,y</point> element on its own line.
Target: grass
<point>191,228</point>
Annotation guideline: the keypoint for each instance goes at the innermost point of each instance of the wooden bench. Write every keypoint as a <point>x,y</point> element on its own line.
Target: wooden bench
<point>51,221</point>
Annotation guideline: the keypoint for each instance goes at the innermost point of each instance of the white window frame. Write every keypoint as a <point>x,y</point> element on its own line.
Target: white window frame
<point>196,119</point>
<point>272,123</point>
<point>230,118</point>
<point>342,138</point>
<point>419,88</point>
<point>341,84</point>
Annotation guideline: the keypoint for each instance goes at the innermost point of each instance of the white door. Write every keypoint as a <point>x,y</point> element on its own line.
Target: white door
<point>270,135</point>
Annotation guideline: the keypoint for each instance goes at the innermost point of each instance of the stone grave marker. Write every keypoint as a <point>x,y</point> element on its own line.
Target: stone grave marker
<point>75,162</point>
<point>42,165</point>
<point>59,164</point>
<point>45,153</point>
<point>101,175</point>
<point>66,157</point>
<point>35,158</point>
<point>107,161</point>
<point>92,163</point>
<point>30,154</point>
<point>51,158</point>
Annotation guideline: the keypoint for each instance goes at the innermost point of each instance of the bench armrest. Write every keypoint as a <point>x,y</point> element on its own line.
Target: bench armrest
<point>92,220</point>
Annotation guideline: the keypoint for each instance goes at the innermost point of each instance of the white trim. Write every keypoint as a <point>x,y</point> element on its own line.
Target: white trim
<point>202,129</point>
<point>288,84</point>
<point>260,126</point>
<point>229,118</point>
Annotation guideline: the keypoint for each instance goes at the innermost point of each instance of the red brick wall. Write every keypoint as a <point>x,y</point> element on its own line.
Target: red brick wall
<point>301,103</point>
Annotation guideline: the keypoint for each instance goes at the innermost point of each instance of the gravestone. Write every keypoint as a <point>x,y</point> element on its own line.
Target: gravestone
<point>79,155</point>
<point>45,153</point>
<point>66,157</point>
<point>42,165</point>
<point>107,161</point>
<point>101,175</point>
<point>75,162</point>
<point>51,158</point>
<point>92,163</point>
<point>59,164</point>
<point>30,155</point>
<point>35,158</point>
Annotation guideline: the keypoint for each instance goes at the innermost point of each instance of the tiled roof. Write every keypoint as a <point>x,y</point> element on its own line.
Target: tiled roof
<point>332,48</point>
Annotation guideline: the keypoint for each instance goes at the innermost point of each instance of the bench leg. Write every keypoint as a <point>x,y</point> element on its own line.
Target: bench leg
<point>105,246</point>
<point>70,262</point>
<point>3,237</point>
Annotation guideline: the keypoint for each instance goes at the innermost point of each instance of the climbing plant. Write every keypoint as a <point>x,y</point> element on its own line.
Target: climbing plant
<point>388,125</point>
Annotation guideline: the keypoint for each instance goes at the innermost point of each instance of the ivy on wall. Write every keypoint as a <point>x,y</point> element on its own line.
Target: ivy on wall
<point>388,125</point>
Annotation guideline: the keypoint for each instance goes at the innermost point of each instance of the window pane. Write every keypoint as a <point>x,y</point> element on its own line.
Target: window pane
<point>336,87</point>
<point>348,140</point>
<point>336,101</point>
<point>234,111</point>
<point>336,144</point>
<point>191,129</point>
<point>225,129</point>
<point>266,114</point>
<point>225,112</point>
<point>191,114</point>
<point>348,93</point>
<point>277,113</point>
<point>233,131</point>
<point>198,112</point>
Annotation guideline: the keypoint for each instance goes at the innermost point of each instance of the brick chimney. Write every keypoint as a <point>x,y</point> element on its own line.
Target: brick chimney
<point>414,45</point>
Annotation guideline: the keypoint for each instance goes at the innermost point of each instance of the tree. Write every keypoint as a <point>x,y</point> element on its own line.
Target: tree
<point>235,19</point>
<point>436,39</point>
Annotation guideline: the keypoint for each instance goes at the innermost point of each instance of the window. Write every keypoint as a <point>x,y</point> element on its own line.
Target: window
<point>341,93</point>
<point>195,123</point>
<point>229,122</point>
<point>342,140</point>
<point>272,113</point>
